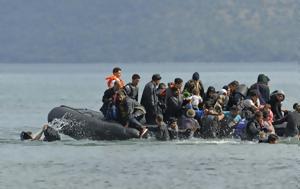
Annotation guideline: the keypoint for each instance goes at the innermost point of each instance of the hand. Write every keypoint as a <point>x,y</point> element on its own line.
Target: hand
<point>126,126</point>
<point>45,127</point>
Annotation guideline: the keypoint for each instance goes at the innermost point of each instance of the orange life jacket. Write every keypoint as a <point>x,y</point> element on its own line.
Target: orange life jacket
<point>112,78</point>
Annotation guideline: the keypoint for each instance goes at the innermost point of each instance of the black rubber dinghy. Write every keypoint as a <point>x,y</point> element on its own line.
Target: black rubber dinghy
<point>89,124</point>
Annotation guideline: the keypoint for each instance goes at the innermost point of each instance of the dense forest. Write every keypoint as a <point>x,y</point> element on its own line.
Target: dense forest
<point>149,31</point>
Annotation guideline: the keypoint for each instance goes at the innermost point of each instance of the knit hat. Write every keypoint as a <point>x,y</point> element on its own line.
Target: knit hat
<point>196,76</point>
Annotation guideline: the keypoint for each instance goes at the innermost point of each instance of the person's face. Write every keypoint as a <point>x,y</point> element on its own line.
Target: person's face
<point>234,112</point>
<point>135,82</point>
<point>157,82</point>
<point>173,125</point>
<point>259,119</point>
<point>178,86</point>
<point>254,98</point>
<point>280,97</point>
<point>118,74</point>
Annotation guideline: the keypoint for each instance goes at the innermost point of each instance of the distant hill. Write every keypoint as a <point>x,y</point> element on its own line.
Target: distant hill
<point>149,31</point>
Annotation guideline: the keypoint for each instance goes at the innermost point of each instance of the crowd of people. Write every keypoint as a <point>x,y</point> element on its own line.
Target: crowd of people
<point>183,109</point>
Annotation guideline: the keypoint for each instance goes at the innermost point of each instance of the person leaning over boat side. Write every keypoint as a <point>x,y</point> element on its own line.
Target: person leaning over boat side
<point>116,76</point>
<point>130,112</point>
<point>47,134</point>
<point>276,99</point>
<point>194,83</point>
<point>293,122</point>
<point>262,88</point>
<point>187,124</point>
<point>132,89</point>
<point>108,107</point>
<point>150,100</point>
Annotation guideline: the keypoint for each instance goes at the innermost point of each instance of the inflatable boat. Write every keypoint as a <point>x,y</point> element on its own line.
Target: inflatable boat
<point>89,124</point>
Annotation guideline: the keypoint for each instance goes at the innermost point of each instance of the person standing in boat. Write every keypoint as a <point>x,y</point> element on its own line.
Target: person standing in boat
<point>130,112</point>
<point>132,89</point>
<point>194,83</point>
<point>174,99</point>
<point>116,76</point>
<point>150,100</point>
<point>262,88</point>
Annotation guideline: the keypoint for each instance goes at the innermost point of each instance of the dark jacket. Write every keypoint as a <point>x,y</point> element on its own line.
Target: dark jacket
<point>132,91</point>
<point>150,102</point>
<point>276,108</point>
<point>262,90</point>
<point>293,123</point>
<point>252,129</point>
<point>107,100</point>
<point>174,105</point>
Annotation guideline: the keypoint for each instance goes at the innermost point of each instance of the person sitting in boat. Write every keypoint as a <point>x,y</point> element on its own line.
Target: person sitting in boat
<point>130,112</point>
<point>194,83</point>
<point>276,99</point>
<point>150,100</point>
<point>47,133</point>
<point>262,88</point>
<point>267,123</point>
<point>162,132</point>
<point>108,107</point>
<point>132,89</point>
<point>210,96</point>
<point>254,127</point>
<point>173,128</point>
<point>292,120</point>
<point>250,105</point>
<point>116,76</point>
<point>187,124</point>
<point>232,86</point>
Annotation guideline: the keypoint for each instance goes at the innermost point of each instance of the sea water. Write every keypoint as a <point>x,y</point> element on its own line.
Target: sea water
<point>29,91</point>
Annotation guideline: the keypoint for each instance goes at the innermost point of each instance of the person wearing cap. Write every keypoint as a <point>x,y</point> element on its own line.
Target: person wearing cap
<point>262,88</point>
<point>130,112</point>
<point>194,83</point>
<point>276,99</point>
<point>132,89</point>
<point>116,76</point>
<point>47,133</point>
<point>187,124</point>
<point>150,100</point>
<point>292,120</point>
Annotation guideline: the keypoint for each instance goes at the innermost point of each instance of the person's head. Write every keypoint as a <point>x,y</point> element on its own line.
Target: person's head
<point>178,83</point>
<point>279,95</point>
<point>121,95</point>
<point>234,110</point>
<point>262,78</point>
<point>117,85</point>
<point>196,91</point>
<point>162,86</point>
<point>117,72</point>
<point>267,107</point>
<point>190,113</point>
<point>26,135</point>
<point>296,107</point>
<point>210,91</point>
<point>196,76</point>
<point>159,119</point>
<point>135,79</point>
<point>253,95</point>
<point>233,86</point>
<point>272,139</point>
<point>266,115</point>
<point>156,78</point>
<point>259,116</point>
<point>173,122</point>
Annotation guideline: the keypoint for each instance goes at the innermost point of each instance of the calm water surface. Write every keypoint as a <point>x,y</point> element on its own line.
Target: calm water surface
<point>28,92</point>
